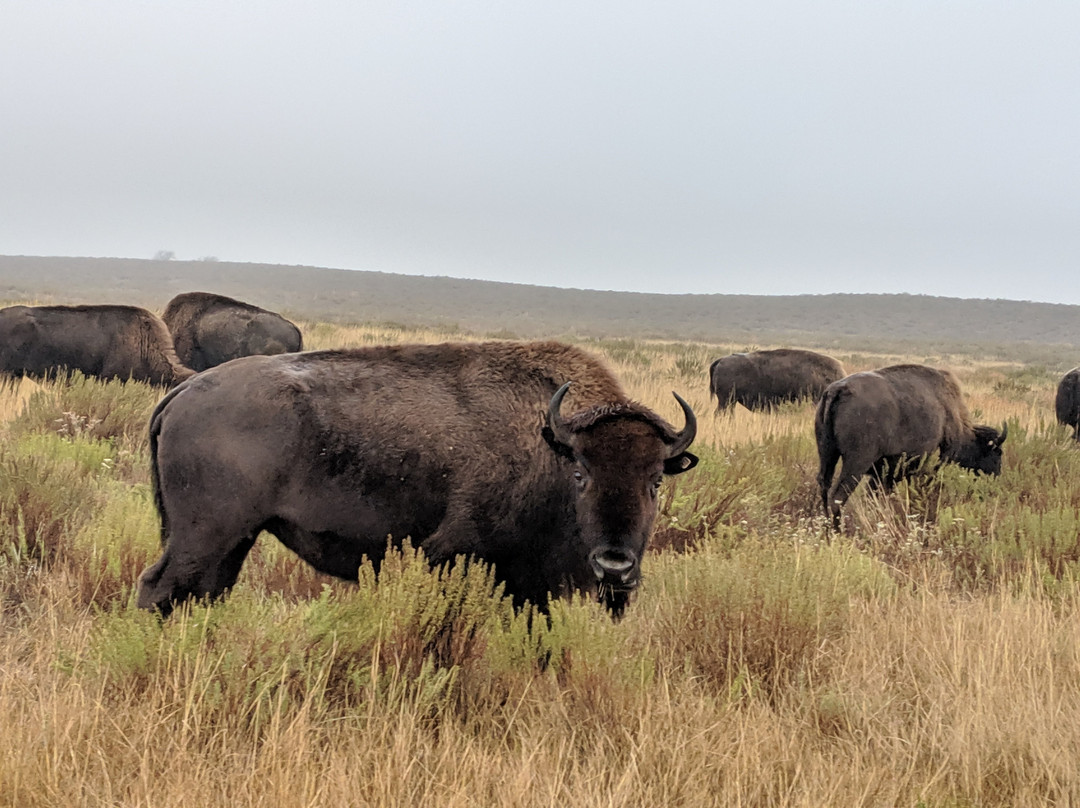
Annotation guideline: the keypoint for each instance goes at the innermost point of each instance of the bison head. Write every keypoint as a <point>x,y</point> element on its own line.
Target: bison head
<point>619,456</point>
<point>982,454</point>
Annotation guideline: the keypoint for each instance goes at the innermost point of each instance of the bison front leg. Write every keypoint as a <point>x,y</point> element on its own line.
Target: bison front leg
<point>454,537</point>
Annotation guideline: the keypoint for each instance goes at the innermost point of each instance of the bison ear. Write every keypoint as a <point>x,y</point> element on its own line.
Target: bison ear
<point>559,448</point>
<point>680,463</point>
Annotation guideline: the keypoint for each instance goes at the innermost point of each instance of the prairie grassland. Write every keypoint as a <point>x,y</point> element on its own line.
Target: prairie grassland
<point>928,656</point>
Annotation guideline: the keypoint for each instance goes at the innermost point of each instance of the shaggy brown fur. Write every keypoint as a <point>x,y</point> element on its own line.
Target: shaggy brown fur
<point>1067,401</point>
<point>209,329</point>
<point>763,379</point>
<point>108,342</point>
<point>451,445</point>
<point>879,420</point>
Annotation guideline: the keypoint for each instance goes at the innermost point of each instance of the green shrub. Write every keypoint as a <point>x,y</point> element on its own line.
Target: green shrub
<point>757,617</point>
<point>49,487</point>
<point>400,637</point>
<point>109,550</point>
<point>765,486</point>
<point>86,407</point>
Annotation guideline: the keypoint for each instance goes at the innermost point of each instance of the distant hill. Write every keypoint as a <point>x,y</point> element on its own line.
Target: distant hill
<point>869,322</point>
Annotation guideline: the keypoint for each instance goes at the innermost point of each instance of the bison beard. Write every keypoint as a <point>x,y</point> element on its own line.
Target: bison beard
<point>464,448</point>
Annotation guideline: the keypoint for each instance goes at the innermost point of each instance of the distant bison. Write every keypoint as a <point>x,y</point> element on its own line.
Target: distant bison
<point>209,329</point>
<point>464,448</point>
<point>762,379</point>
<point>1067,402</point>
<point>108,342</point>
<point>878,420</point>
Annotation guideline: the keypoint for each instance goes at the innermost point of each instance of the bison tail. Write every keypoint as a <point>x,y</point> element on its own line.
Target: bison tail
<point>823,416</point>
<point>155,480</point>
<point>712,390</point>
<point>825,435</point>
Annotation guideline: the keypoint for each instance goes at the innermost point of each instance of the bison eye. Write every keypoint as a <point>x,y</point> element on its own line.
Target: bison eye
<point>654,486</point>
<point>579,478</point>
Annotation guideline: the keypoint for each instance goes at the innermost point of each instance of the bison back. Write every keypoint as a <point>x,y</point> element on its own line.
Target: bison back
<point>209,329</point>
<point>105,341</point>
<point>884,413</point>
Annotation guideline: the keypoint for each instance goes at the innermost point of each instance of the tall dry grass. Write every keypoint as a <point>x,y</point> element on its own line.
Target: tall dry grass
<point>926,656</point>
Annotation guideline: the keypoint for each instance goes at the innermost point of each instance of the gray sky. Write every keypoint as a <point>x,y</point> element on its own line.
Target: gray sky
<point>773,146</point>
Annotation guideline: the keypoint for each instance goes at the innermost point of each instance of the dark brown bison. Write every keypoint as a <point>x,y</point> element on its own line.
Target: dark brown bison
<point>1067,402</point>
<point>881,421</point>
<point>108,342</point>
<point>526,455</point>
<point>762,379</point>
<point>209,329</point>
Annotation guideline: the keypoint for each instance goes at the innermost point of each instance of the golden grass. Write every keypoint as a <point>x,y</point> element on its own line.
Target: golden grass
<point>923,699</point>
<point>769,666</point>
<point>13,397</point>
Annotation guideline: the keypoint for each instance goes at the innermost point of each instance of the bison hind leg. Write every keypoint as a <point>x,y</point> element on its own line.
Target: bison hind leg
<point>827,468</point>
<point>180,576</point>
<point>851,473</point>
<point>887,472</point>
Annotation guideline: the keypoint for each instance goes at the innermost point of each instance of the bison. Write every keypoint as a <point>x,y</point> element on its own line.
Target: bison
<point>528,456</point>
<point>1067,402</point>
<point>763,379</point>
<point>209,329</point>
<point>107,342</point>
<point>883,420</point>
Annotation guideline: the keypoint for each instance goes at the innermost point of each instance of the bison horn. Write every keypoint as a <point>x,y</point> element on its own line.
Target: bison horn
<point>689,432</point>
<point>555,421</point>
<point>1004,432</point>
<point>562,435</point>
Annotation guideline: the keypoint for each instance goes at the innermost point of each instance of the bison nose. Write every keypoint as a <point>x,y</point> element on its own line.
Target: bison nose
<point>614,565</point>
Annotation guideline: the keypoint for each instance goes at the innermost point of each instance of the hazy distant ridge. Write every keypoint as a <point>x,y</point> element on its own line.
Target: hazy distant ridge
<point>528,311</point>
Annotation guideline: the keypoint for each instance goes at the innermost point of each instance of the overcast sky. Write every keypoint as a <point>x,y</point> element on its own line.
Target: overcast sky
<point>764,147</point>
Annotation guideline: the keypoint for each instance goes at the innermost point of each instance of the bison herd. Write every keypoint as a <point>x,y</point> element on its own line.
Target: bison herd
<point>878,424</point>
<point>529,456</point>
<point>198,330</point>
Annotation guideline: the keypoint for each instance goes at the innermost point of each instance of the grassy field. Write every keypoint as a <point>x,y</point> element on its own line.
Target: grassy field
<point>927,656</point>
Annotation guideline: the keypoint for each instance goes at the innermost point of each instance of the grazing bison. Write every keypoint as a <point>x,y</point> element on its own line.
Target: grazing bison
<point>879,419</point>
<point>209,329</point>
<point>762,379</point>
<point>109,342</point>
<point>1067,402</point>
<point>465,448</point>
